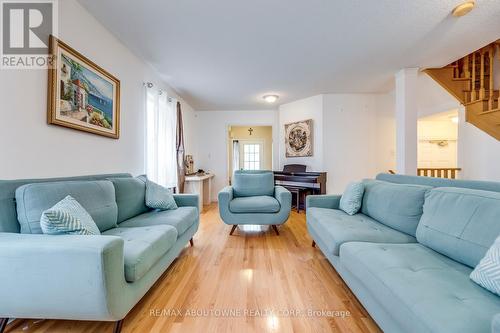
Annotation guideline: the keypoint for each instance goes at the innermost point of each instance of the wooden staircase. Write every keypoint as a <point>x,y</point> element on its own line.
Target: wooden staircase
<point>471,81</point>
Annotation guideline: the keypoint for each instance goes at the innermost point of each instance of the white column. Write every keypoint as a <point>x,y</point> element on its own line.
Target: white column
<point>406,121</point>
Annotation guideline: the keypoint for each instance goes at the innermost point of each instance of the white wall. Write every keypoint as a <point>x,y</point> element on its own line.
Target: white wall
<point>304,109</point>
<point>354,135</point>
<point>359,137</point>
<point>212,133</point>
<point>478,153</point>
<point>432,98</point>
<point>431,130</point>
<point>31,148</point>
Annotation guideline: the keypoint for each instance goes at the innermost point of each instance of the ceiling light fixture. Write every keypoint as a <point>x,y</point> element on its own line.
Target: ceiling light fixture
<point>271,98</point>
<point>463,8</point>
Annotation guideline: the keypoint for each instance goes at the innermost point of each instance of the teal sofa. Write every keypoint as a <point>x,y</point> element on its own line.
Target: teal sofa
<point>408,254</point>
<point>86,277</point>
<point>254,199</point>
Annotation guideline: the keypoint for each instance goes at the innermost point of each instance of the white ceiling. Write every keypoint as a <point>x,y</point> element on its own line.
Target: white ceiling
<point>226,54</point>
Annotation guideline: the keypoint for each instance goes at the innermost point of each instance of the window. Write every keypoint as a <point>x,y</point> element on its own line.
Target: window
<point>161,162</point>
<point>251,156</point>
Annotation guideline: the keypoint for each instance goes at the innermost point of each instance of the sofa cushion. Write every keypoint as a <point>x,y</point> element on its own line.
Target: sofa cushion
<point>252,183</point>
<point>460,223</point>
<point>257,204</point>
<point>398,206</point>
<point>68,217</point>
<point>130,197</point>
<point>420,287</point>
<point>334,227</point>
<point>143,247</point>
<point>97,197</point>
<point>181,218</point>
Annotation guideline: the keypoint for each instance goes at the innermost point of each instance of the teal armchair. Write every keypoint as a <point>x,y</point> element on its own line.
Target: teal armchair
<point>254,199</point>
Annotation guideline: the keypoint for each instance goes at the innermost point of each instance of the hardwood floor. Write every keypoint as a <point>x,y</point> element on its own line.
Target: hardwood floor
<point>278,278</point>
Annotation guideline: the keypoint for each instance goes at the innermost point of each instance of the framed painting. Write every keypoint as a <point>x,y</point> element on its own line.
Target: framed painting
<point>298,139</point>
<point>82,95</point>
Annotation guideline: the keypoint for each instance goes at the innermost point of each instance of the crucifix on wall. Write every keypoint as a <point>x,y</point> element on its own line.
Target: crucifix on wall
<point>250,130</point>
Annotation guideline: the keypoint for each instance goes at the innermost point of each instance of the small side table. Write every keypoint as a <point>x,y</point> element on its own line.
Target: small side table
<point>201,185</point>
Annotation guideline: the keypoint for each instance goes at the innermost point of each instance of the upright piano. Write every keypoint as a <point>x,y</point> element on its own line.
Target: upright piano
<point>301,182</point>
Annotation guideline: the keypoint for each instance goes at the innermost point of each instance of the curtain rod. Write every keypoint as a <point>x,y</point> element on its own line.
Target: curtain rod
<point>160,91</point>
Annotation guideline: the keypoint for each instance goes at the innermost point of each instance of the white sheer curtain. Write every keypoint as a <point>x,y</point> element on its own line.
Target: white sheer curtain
<point>161,165</point>
<point>236,155</point>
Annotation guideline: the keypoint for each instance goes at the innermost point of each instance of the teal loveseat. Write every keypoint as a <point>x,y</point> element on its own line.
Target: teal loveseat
<point>408,254</point>
<point>86,277</point>
<point>254,199</point>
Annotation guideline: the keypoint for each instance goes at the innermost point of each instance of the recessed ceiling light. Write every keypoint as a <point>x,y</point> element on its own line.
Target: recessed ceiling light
<point>463,9</point>
<point>271,98</point>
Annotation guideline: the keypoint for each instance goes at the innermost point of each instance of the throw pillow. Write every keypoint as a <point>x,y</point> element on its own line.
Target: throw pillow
<point>487,272</point>
<point>68,217</point>
<point>159,197</point>
<point>351,200</point>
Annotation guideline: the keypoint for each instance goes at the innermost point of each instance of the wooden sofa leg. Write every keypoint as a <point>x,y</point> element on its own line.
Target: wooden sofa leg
<point>3,324</point>
<point>191,242</point>
<point>275,228</point>
<point>314,244</point>
<point>118,326</point>
<point>233,229</point>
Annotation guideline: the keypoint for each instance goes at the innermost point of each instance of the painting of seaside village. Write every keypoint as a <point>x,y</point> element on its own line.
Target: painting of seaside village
<point>86,96</point>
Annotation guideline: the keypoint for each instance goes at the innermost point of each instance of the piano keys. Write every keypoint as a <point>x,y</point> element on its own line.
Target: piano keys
<point>315,181</point>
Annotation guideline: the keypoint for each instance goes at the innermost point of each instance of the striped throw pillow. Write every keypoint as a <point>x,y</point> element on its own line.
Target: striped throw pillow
<point>68,217</point>
<point>487,272</point>
<point>159,197</point>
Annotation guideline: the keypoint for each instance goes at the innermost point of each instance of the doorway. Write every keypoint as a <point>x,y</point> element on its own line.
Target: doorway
<point>250,148</point>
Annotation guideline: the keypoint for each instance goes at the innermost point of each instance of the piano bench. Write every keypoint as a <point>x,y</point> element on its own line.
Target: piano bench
<point>300,193</point>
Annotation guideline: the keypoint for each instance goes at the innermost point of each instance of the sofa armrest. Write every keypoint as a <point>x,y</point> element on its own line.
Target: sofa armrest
<point>323,201</point>
<point>495,324</point>
<point>59,276</point>
<point>225,196</point>
<point>284,197</point>
<point>183,200</point>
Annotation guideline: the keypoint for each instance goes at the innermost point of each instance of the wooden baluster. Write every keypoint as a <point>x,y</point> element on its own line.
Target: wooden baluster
<point>467,76</point>
<point>453,174</point>
<point>473,82</point>
<point>481,77</point>
<point>466,67</point>
<point>490,101</point>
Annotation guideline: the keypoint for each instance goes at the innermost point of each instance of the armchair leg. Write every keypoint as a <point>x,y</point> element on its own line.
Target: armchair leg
<point>275,228</point>
<point>118,326</point>
<point>314,244</point>
<point>233,229</point>
<point>3,324</point>
<point>191,242</point>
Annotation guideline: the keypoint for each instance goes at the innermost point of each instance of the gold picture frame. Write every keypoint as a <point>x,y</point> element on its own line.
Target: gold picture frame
<point>81,95</point>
